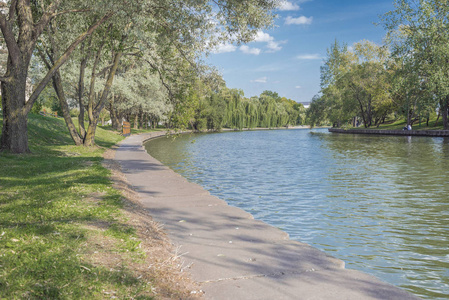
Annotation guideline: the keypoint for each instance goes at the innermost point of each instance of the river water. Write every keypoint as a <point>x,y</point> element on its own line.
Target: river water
<point>380,203</point>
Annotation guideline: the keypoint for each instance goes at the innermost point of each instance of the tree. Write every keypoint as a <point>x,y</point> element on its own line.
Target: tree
<point>418,32</point>
<point>317,112</point>
<point>178,25</point>
<point>355,85</point>
<point>337,107</point>
<point>29,19</point>
<point>138,92</point>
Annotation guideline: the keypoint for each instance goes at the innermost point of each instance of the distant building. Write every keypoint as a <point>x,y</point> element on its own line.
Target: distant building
<point>306,104</point>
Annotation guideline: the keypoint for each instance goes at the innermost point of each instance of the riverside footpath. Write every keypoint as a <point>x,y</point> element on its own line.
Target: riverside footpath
<point>231,255</point>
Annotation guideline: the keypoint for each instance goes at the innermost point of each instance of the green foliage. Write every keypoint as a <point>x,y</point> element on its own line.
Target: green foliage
<point>37,107</point>
<point>74,112</point>
<point>418,33</point>
<point>317,114</point>
<point>228,108</point>
<point>370,84</point>
<point>355,86</point>
<point>56,107</point>
<point>167,40</point>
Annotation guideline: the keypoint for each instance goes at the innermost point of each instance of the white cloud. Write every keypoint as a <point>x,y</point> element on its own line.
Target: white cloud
<point>309,56</point>
<point>260,80</point>
<point>302,20</point>
<point>247,50</point>
<point>287,5</point>
<point>224,48</point>
<point>298,87</point>
<point>272,45</point>
<point>263,37</point>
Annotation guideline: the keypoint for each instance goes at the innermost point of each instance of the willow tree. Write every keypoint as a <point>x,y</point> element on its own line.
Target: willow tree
<point>138,92</point>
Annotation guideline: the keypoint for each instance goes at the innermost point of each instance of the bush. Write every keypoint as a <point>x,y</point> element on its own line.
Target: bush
<point>74,112</point>
<point>37,107</point>
<point>201,124</point>
<point>56,107</point>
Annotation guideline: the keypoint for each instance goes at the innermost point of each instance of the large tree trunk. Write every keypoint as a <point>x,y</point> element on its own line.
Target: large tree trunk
<point>89,140</point>
<point>57,85</point>
<point>438,117</point>
<point>444,113</point>
<point>49,59</point>
<point>81,127</point>
<point>136,121</point>
<point>94,112</point>
<point>14,132</point>
<point>115,118</point>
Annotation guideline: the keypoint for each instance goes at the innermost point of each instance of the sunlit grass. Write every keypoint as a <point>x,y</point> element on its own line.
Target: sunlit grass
<point>401,123</point>
<point>57,208</point>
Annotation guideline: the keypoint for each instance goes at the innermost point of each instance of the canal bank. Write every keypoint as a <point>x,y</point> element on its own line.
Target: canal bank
<point>429,133</point>
<point>229,253</point>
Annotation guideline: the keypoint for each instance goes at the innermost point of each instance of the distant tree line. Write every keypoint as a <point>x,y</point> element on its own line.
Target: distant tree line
<point>230,109</point>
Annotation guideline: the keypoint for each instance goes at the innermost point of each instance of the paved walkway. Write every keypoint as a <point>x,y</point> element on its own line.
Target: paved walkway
<point>232,255</point>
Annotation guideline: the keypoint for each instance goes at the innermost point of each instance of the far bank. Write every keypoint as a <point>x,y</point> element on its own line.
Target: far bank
<point>430,133</point>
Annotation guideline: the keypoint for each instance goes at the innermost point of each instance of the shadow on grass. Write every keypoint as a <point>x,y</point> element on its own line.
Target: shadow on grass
<point>51,205</point>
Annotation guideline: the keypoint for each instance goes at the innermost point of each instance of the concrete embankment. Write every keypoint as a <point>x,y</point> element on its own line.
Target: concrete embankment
<point>229,253</point>
<point>431,133</point>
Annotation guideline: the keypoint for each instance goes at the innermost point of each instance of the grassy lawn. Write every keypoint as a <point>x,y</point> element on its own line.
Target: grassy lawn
<point>133,131</point>
<point>400,124</point>
<point>63,233</point>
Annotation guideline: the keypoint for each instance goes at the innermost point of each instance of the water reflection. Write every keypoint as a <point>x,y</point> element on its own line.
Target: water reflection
<point>378,202</point>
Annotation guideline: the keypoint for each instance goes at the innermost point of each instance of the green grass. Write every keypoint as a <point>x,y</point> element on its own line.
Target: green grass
<point>133,131</point>
<point>400,124</point>
<point>56,204</point>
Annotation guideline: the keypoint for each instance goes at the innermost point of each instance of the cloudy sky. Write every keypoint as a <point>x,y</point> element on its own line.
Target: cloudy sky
<point>287,58</point>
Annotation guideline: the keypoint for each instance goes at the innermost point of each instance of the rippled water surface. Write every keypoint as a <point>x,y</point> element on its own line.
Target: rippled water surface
<point>379,203</point>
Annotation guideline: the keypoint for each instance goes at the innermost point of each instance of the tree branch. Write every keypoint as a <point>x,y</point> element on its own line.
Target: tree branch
<point>104,94</point>
<point>105,69</point>
<point>40,87</point>
<point>12,11</point>
<point>45,19</point>
<point>8,35</point>
<point>43,57</point>
<point>166,85</point>
<point>70,11</point>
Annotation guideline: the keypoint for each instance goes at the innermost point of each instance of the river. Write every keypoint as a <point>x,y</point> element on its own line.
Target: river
<point>380,203</point>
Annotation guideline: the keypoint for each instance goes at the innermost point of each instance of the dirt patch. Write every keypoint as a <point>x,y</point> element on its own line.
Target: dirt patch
<point>95,198</point>
<point>161,264</point>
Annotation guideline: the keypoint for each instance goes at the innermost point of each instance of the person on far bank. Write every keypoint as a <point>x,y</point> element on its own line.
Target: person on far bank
<point>408,127</point>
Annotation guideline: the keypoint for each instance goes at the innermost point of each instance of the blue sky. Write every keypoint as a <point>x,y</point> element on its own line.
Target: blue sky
<point>287,58</point>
